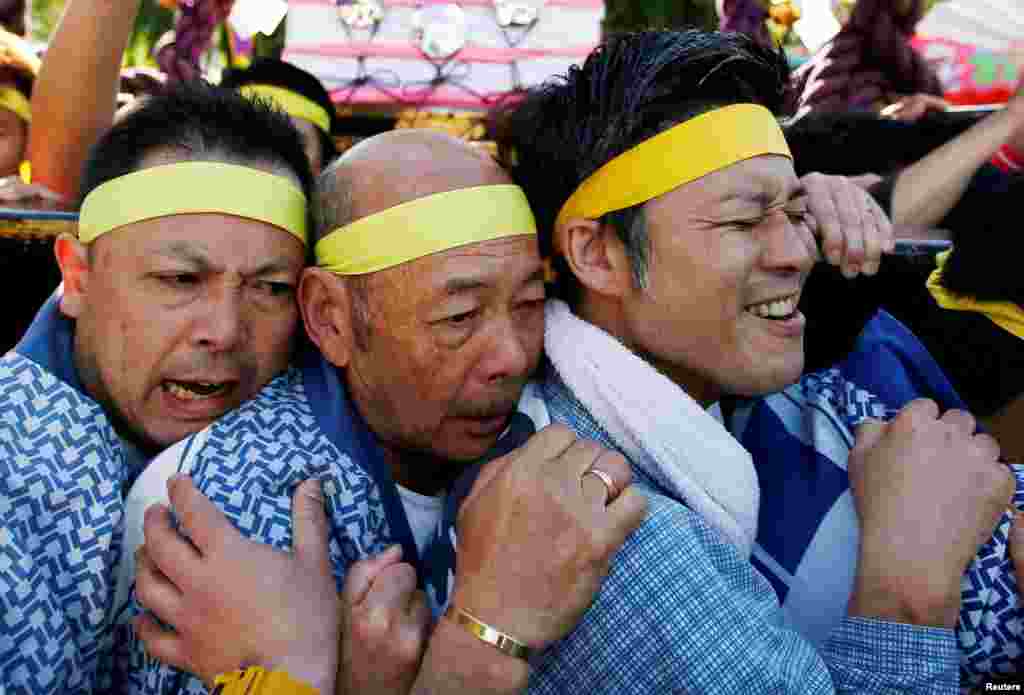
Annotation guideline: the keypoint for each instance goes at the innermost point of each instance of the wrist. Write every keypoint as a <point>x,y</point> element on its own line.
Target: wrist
<point>456,660</point>
<point>905,600</point>
<point>503,612</point>
<point>497,667</point>
<point>502,641</point>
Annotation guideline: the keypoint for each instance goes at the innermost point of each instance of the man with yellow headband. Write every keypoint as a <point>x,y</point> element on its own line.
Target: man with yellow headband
<point>665,194</point>
<point>18,69</point>
<point>299,94</point>
<point>427,308</point>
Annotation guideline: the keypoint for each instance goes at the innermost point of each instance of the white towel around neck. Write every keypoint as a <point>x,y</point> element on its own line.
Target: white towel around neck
<point>656,424</point>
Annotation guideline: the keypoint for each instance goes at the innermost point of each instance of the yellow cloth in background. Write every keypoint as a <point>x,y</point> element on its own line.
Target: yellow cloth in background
<point>292,103</point>
<point>13,100</point>
<point>1006,315</point>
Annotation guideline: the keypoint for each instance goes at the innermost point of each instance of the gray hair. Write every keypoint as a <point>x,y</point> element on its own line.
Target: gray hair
<point>332,201</point>
<point>630,225</point>
<point>333,208</point>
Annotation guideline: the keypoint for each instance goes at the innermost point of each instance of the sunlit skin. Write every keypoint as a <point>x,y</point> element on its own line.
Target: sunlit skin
<point>464,332</point>
<point>13,140</point>
<point>205,299</point>
<point>734,238</point>
<point>453,337</point>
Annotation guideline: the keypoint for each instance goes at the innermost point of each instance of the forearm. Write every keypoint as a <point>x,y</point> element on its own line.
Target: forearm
<point>75,94</point>
<point>927,190</point>
<point>456,662</point>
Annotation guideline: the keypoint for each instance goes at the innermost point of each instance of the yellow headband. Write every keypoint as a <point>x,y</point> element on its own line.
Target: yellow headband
<point>684,153</point>
<point>193,187</point>
<point>425,226</point>
<point>291,103</point>
<point>13,100</point>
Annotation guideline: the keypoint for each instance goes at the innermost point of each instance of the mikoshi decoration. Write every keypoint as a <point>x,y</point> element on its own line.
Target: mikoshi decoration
<point>360,14</point>
<point>976,48</point>
<point>428,54</point>
<point>439,30</point>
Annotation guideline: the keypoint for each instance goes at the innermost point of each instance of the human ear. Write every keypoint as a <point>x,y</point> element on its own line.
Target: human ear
<point>73,259</point>
<point>595,255</point>
<point>326,305</point>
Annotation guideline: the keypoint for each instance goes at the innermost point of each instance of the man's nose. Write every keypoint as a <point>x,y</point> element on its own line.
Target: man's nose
<point>509,353</point>
<point>786,246</point>
<point>220,324</point>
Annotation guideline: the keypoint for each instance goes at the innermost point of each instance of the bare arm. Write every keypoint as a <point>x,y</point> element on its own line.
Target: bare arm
<point>75,94</point>
<point>927,190</point>
<point>457,662</point>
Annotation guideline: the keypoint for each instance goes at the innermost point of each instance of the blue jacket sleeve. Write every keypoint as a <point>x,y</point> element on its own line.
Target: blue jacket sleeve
<point>682,611</point>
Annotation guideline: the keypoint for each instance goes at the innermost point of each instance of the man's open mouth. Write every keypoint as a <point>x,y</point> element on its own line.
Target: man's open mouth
<point>197,390</point>
<point>778,309</point>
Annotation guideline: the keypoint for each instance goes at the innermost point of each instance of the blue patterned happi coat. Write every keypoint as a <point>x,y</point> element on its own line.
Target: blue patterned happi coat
<point>808,533</point>
<point>65,488</point>
<point>250,461</point>
<point>62,472</point>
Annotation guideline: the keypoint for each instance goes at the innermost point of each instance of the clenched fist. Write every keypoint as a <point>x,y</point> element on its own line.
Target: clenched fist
<point>929,492</point>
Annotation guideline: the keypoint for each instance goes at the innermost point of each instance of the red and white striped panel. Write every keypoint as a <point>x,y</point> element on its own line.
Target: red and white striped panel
<point>491,63</point>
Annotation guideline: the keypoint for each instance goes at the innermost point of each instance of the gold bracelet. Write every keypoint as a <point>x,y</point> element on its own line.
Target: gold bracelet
<point>504,643</point>
<point>256,680</point>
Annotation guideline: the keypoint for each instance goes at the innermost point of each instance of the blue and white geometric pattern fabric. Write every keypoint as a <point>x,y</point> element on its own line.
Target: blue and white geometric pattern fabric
<point>249,465</point>
<point>61,523</point>
<point>808,532</point>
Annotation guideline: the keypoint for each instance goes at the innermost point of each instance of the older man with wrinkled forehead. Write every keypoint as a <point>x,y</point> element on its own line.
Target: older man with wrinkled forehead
<point>427,308</point>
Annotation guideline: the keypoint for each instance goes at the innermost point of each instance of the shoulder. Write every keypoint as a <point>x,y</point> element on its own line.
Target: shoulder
<point>676,541</point>
<point>681,609</point>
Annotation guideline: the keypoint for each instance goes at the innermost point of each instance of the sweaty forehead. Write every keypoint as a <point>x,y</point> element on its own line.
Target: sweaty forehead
<point>761,181</point>
<point>498,265</point>
<point>204,242</point>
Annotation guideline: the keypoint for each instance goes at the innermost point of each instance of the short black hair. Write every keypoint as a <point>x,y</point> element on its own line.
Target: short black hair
<point>630,88</point>
<point>15,16</point>
<point>205,121</point>
<point>278,73</point>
